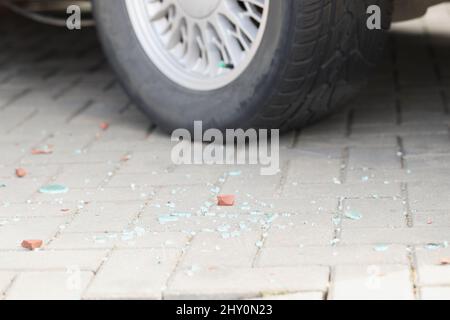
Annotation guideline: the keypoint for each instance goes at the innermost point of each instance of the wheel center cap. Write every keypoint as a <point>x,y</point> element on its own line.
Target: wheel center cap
<point>199,8</point>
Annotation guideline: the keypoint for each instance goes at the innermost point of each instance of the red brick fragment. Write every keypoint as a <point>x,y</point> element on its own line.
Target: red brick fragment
<point>21,172</point>
<point>41,151</point>
<point>104,125</point>
<point>225,200</point>
<point>32,244</point>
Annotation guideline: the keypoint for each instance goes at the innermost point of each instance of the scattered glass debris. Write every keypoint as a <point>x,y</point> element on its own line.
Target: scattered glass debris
<point>337,219</point>
<point>436,246</point>
<point>181,214</point>
<point>234,173</point>
<point>381,247</point>
<point>170,204</point>
<point>353,215</point>
<point>335,242</point>
<point>54,189</point>
<point>167,218</point>
<point>192,269</point>
<point>215,190</point>
<point>127,235</point>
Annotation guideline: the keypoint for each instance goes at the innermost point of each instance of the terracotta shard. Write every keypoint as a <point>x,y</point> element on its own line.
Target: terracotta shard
<point>225,200</point>
<point>32,244</point>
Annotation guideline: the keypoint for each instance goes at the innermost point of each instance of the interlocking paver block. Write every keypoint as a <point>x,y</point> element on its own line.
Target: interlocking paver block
<point>234,283</point>
<point>386,213</point>
<point>67,285</point>
<point>212,250</point>
<point>435,293</point>
<point>431,270</point>
<point>372,282</point>
<point>134,274</point>
<point>88,260</point>
<point>327,255</point>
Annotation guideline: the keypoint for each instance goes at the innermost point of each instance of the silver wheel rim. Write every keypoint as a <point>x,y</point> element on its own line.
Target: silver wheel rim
<point>200,44</point>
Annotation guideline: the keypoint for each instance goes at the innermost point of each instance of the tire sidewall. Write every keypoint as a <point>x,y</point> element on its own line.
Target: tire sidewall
<point>172,106</point>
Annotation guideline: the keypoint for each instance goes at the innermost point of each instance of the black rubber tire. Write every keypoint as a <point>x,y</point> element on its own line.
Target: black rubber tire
<point>314,56</point>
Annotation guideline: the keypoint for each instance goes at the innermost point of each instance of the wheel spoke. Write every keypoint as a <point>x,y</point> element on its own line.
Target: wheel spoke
<point>205,39</point>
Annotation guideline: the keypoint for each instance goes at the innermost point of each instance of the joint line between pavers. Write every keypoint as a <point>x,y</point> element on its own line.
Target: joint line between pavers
<point>343,169</point>
<point>398,111</point>
<point>337,222</point>
<point>406,206</point>
<point>177,265</point>
<point>331,282</point>
<point>401,152</point>
<point>4,294</point>
<point>16,97</point>
<point>412,261</point>
<point>82,109</point>
<point>96,271</point>
<point>349,123</point>
<point>27,118</point>
<point>66,89</point>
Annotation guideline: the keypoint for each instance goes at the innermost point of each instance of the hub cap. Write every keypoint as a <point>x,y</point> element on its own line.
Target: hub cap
<point>200,44</point>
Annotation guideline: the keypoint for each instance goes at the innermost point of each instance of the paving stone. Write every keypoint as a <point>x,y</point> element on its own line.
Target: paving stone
<point>299,236</point>
<point>209,250</point>
<point>376,282</point>
<point>11,211</point>
<point>239,283</point>
<point>430,269</point>
<point>313,169</point>
<point>435,293</point>
<point>139,274</point>
<point>127,239</point>
<point>105,217</point>
<point>388,213</point>
<point>416,235</point>
<point>363,157</point>
<point>295,296</point>
<point>40,260</point>
<point>14,231</point>
<point>348,190</point>
<point>97,195</point>
<point>427,195</point>
<point>68,285</point>
<point>426,144</point>
<point>431,218</point>
<point>327,255</point>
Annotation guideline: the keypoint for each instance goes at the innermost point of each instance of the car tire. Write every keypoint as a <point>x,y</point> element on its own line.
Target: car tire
<point>313,55</point>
